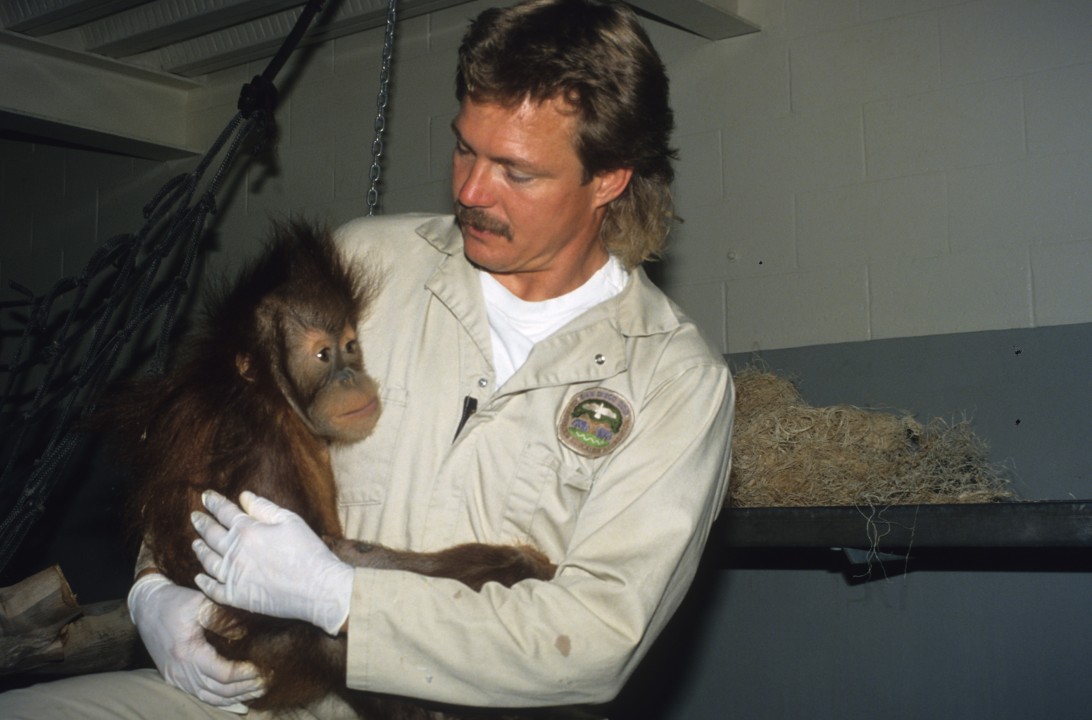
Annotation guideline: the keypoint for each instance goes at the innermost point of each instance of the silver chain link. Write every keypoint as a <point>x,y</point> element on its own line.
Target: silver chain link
<point>381,103</point>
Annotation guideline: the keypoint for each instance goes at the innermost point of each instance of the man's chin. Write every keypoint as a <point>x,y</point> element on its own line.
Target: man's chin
<point>478,260</point>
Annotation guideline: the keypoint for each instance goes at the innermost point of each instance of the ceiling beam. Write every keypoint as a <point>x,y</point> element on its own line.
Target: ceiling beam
<point>76,96</point>
<point>260,38</point>
<point>66,96</point>
<point>713,20</point>
<point>41,17</point>
<point>153,25</point>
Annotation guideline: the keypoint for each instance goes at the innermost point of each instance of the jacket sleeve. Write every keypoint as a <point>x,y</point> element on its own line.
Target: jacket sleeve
<point>577,638</point>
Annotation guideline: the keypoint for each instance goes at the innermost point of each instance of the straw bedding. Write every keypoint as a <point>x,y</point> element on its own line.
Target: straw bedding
<point>788,453</point>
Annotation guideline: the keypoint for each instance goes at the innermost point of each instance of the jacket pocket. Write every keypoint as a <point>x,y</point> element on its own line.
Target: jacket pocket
<point>544,499</point>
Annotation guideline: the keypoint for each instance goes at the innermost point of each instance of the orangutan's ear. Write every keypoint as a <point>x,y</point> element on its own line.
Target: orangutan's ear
<point>242,364</point>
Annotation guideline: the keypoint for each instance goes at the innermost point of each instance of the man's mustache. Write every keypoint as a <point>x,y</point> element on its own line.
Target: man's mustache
<point>475,218</point>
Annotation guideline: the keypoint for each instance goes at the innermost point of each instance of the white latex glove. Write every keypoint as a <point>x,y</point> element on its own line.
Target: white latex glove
<point>169,619</point>
<point>266,559</point>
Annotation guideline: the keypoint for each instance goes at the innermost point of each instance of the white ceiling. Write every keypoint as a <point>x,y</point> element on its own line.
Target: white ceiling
<point>55,48</point>
<point>190,37</point>
<point>194,37</point>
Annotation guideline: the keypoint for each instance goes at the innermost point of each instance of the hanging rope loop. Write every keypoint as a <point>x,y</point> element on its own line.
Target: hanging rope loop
<point>258,95</point>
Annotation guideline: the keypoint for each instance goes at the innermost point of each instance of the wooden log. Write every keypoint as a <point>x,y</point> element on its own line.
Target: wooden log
<point>102,639</point>
<point>33,613</point>
<point>43,630</point>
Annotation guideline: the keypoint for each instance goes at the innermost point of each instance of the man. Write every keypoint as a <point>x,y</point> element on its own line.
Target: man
<point>536,388</point>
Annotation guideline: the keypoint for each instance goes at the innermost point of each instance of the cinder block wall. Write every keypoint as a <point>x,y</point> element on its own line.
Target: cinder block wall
<point>865,170</point>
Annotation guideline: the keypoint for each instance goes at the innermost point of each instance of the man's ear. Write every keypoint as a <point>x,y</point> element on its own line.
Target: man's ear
<point>610,184</point>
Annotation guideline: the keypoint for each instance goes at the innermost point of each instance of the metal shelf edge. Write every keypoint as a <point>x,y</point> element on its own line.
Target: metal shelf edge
<point>1028,524</point>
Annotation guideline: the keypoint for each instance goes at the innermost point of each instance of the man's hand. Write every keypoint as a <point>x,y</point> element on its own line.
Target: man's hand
<point>265,559</point>
<point>169,619</point>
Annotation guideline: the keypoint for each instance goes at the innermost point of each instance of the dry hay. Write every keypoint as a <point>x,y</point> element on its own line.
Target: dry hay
<point>788,453</point>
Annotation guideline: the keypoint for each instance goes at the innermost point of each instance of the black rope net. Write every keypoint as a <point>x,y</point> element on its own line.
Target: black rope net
<point>72,339</point>
<point>141,286</point>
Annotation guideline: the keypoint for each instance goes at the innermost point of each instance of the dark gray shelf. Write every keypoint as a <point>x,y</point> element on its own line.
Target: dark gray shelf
<point>1047,524</point>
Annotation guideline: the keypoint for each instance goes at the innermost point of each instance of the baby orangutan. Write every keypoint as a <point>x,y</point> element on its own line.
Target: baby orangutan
<point>273,380</point>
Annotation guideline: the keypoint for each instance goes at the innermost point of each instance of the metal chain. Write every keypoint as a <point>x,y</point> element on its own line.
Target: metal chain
<point>381,103</point>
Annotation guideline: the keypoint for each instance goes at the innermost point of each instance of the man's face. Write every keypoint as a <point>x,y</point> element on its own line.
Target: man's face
<point>526,213</point>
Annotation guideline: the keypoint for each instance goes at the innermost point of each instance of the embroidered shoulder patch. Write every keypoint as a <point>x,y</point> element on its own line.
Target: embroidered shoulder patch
<point>595,422</point>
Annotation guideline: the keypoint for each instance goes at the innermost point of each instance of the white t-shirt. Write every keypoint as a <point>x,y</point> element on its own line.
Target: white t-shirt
<point>516,325</point>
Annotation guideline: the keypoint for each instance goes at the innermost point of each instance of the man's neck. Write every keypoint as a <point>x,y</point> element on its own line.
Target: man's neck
<point>549,283</point>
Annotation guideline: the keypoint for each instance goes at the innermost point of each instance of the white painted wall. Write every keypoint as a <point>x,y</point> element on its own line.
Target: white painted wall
<point>858,169</point>
<point>877,169</point>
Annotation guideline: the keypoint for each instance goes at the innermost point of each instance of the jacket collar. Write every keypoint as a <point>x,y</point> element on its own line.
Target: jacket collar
<point>454,281</point>
<point>590,348</point>
<point>641,309</point>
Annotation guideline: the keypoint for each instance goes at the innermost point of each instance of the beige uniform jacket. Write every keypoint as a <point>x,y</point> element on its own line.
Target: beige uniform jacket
<point>626,527</point>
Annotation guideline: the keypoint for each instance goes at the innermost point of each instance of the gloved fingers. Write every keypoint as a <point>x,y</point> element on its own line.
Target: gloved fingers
<point>213,589</point>
<point>211,560</point>
<point>211,531</point>
<point>171,621</point>
<point>205,613</point>
<point>237,708</point>
<point>230,694</point>
<point>229,681</point>
<point>229,697</point>
<point>220,681</point>
<point>261,509</point>
<point>224,510</point>
<point>213,679</point>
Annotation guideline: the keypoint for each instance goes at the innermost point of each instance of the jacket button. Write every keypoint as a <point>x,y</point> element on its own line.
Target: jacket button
<point>600,359</point>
